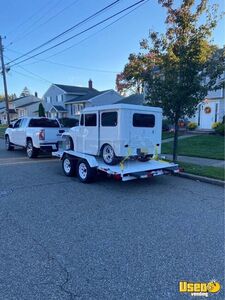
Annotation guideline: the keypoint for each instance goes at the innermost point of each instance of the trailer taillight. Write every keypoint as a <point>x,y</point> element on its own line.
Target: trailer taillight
<point>42,134</point>
<point>117,177</point>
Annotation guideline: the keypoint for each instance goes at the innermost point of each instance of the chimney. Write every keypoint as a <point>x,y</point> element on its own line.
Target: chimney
<point>36,94</point>
<point>90,84</point>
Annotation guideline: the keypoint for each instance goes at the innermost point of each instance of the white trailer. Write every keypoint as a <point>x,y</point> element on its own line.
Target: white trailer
<point>87,167</point>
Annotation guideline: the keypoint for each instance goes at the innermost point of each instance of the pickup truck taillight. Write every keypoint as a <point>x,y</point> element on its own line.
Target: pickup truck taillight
<point>42,134</point>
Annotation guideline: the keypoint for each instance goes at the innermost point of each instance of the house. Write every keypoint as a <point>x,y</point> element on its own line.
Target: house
<point>67,101</point>
<point>212,109</point>
<point>136,99</point>
<point>20,107</point>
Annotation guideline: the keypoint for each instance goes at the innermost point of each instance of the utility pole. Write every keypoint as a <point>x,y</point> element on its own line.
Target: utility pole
<point>4,82</point>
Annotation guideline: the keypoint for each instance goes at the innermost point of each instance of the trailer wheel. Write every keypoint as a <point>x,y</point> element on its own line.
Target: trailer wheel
<point>85,173</point>
<point>69,167</point>
<point>108,155</point>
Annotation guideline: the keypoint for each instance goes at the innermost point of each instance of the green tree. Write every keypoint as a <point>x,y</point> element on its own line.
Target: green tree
<point>184,64</point>
<point>25,92</point>
<point>132,78</point>
<point>41,110</point>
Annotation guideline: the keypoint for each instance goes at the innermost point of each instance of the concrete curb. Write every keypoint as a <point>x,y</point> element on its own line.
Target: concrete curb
<point>201,178</point>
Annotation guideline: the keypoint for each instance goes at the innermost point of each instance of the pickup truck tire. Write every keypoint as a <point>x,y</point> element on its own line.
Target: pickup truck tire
<point>69,166</point>
<point>108,155</point>
<point>8,144</point>
<point>32,152</point>
<point>85,173</point>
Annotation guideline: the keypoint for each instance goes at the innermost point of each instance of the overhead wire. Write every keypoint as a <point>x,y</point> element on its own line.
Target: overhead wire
<point>95,33</point>
<point>35,22</point>
<point>78,34</point>
<point>46,22</point>
<point>68,30</point>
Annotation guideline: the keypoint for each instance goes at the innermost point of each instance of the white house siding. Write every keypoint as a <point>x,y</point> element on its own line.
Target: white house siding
<point>215,100</point>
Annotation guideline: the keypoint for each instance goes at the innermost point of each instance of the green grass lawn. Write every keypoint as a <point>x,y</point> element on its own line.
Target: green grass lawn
<point>212,172</point>
<point>2,130</point>
<point>207,146</point>
<point>167,135</point>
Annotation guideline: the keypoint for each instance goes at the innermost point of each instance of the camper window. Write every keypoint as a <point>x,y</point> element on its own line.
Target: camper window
<point>109,119</point>
<point>143,120</point>
<point>90,120</point>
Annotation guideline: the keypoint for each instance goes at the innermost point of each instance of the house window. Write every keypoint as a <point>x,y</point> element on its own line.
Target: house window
<point>77,108</point>
<point>21,113</point>
<point>199,114</point>
<point>48,99</point>
<point>59,98</point>
<point>216,112</point>
<point>143,120</point>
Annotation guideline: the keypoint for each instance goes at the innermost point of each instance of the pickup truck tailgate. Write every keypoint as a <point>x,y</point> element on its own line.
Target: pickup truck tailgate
<point>51,135</point>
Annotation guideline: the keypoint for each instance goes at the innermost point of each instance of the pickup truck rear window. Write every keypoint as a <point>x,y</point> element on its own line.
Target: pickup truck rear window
<point>143,120</point>
<point>48,123</point>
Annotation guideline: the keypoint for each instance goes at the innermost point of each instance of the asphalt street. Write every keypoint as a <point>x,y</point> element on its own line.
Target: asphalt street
<point>61,239</point>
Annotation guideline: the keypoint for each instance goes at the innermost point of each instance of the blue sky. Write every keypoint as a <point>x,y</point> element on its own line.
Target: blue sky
<point>27,24</point>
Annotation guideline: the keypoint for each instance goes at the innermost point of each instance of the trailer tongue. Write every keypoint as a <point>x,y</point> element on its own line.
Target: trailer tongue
<point>86,167</point>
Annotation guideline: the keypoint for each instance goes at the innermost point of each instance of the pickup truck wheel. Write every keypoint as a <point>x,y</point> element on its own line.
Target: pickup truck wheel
<point>8,145</point>
<point>108,155</point>
<point>85,173</point>
<point>68,165</point>
<point>32,152</point>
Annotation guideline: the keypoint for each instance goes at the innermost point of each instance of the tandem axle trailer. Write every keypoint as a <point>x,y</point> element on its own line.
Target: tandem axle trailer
<point>87,167</point>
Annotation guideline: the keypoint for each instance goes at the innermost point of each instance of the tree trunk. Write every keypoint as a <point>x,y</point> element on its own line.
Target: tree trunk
<point>175,141</point>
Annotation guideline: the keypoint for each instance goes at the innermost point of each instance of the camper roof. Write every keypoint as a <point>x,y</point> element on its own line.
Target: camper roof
<point>123,106</point>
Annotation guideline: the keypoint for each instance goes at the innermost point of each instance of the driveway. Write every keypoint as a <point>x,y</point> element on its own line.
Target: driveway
<point>61,239</point>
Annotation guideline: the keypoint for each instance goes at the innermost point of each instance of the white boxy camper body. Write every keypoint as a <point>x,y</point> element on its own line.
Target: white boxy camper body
<point>118,140</point>
<point>129,130</point>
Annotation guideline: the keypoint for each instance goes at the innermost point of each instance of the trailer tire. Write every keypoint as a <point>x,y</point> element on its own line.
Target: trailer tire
<point>108,155</point>
<point>85,173</point>
<point>69,166</point>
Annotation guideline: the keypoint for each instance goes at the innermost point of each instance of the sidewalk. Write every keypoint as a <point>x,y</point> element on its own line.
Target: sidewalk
<point>198,160</point>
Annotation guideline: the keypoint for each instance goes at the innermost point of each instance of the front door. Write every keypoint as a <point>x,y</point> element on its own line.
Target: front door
<point>208,114</point>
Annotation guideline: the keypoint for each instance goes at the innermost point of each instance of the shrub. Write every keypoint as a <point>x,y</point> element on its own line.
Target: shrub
<point>215,125</point>
<point>192,125</point>
<point>166,125</point>
<point>220,129</point>
<point>69,122</point>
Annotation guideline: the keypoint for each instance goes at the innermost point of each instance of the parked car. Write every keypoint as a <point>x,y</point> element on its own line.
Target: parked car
<point>34,134</point>
<point>117,130</point>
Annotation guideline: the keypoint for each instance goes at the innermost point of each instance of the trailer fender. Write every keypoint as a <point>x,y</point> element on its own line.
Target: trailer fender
<point>78,155</point>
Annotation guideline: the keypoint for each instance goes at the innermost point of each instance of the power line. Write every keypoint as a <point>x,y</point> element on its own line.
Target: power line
<point>68,30</point>
<point>68,39</point>
<point>29,18</point>
<point>27,76</point>
<point>47,21</point>
<point>95,33</point>
<point>64,65</point>
<point>32,73</point>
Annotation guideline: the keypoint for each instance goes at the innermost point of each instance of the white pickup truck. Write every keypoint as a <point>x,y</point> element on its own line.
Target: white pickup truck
<point>34,134</point>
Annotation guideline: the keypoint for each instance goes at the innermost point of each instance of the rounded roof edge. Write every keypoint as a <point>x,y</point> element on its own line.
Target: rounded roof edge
<point>123,106</point>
